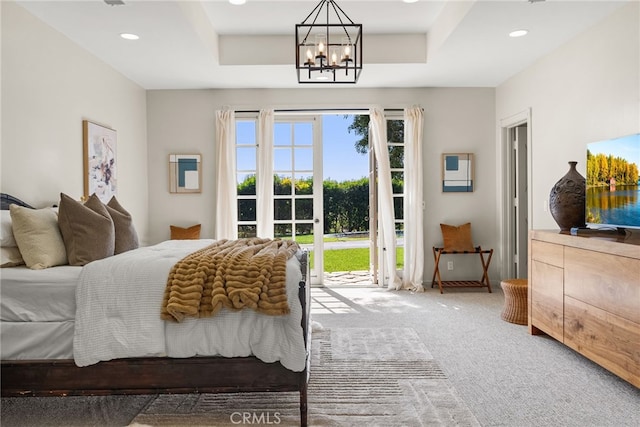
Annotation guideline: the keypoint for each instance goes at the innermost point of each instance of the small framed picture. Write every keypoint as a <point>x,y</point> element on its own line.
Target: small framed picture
<point>100,165</point>
<point>457,172</point>
<point>185,173</point>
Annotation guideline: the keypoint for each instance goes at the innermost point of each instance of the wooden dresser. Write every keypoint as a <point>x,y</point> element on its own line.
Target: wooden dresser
<point>584,291</point>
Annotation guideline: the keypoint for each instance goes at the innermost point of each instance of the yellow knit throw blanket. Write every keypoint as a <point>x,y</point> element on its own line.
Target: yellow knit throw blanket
<point>236,274</point>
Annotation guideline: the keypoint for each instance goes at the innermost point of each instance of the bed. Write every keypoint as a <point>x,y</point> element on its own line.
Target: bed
<point>48,349</point>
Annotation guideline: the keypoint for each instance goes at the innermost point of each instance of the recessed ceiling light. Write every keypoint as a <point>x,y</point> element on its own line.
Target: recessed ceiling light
<point>410,1</point>
<point>518,33</point>
<point>129,36</point>
<point>237,1</point>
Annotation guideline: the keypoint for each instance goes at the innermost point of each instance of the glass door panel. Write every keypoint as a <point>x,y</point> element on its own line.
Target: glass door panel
<point>297,198</point>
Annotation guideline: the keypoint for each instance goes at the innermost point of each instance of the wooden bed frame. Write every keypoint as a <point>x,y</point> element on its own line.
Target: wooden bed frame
<point>162,375</point>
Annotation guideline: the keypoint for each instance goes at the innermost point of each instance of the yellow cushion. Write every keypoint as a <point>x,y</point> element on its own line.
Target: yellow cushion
<point>457,238</point>
<point>190,233</point>
<point>38,237</point>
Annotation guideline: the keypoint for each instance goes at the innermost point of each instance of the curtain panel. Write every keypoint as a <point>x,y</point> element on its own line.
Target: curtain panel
<point>264,179</point>
<point>226,203</point>
<point>378,139</point>
<point>412,274</point>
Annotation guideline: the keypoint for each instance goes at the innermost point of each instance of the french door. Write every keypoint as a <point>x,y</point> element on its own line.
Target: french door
<point>298,212</point>
<point>297,182</point>
<point>298,190</point>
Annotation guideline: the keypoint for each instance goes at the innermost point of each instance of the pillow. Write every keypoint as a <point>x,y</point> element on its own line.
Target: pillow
<point>10,257</point>
<point>87,230</point>
<point>457,239</point>
<point>126,236</point>
<point>38,237</point>
<point>191,233</point>
<point>6,231</point>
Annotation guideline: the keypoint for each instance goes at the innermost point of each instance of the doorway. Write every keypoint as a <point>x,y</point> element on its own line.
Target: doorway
<point>358,213</point>
<point>301,147</point>
<point>347,199</point>
<point>516,186</point>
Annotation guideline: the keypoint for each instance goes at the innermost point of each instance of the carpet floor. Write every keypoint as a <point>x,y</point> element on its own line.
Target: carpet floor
<point>359,376</point>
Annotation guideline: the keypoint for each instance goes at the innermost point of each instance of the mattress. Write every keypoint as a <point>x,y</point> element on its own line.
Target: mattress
<point>37,311</point>
<point>40,320</point>
<point>46,295</point>
<point>36,340</point>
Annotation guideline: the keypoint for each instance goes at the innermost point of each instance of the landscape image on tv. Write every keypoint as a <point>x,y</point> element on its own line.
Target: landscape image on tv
<point>613,186</point>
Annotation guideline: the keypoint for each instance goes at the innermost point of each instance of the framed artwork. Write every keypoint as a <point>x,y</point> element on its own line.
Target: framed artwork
<point>100,165</point>
<point>457,172</point>
<point>185,173</point>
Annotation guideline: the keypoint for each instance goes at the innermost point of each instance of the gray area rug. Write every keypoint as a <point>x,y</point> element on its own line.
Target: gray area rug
<point>359,376</point>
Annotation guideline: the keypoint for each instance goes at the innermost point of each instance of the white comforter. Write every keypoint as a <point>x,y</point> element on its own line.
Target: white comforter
<point>118,314</point>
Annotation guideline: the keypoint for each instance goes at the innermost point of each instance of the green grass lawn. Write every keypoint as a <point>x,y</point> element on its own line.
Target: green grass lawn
<point>356,259</point>
<point>353,259</point>
<point>308,239</point>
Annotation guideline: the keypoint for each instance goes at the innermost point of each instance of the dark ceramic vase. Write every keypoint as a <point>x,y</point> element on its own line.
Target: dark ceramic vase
<point>567,200</point>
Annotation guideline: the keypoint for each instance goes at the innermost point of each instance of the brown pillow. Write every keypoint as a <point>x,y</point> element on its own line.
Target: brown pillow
<point>126,236</point>
<point>87,230</point>
<point>191,233</point>
<point>457,239</point>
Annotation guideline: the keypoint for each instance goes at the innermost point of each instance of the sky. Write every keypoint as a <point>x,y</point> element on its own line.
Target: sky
<point>340,160</point>
<point>626,147</point>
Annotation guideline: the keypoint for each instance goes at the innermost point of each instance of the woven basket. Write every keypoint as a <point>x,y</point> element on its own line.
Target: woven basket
<point>515,301</point>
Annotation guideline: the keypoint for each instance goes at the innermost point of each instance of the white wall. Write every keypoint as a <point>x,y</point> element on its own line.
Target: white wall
<point>585,91</point>
<point>456,120</point>
<point>49,85</point>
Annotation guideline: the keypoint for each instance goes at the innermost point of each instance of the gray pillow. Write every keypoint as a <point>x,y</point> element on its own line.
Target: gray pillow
<point>87,230</point>
<point>126,236</point>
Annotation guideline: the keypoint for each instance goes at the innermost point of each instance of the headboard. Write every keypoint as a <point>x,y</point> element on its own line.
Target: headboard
<point>7,200</point>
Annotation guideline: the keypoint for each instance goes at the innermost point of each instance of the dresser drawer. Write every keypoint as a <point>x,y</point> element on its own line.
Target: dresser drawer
<point>607,339</point>
<point>606,281</point>
<point>549,253</point>
<point>546,299</point>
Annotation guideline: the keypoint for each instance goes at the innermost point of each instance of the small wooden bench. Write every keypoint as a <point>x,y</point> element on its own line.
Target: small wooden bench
<point>482,283</point>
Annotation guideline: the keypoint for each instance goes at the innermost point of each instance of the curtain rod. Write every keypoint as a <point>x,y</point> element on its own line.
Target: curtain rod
<point>319,110</point>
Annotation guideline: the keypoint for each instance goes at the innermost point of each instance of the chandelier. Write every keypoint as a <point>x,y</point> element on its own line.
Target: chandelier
<point>328,52</point>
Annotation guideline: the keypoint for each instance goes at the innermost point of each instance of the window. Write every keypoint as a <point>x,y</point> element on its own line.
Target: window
<point>246,172</point>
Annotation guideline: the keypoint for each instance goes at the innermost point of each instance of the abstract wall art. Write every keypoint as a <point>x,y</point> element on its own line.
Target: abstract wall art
<point>185,173</point>
<point>100,164</point>
<point>457,173</point>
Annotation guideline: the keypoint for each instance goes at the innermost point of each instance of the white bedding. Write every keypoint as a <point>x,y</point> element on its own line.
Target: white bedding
<point>118,314</point>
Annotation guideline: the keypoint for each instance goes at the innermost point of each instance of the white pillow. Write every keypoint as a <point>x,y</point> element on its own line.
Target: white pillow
<point>10,257</point>
<point>6,231</point>
<point>38,237</point>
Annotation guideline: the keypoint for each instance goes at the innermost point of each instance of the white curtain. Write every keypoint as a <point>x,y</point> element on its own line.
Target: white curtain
<point>226,204</point>
<point>413,210</point>
<point>264,179</point>
<point>378,138</point>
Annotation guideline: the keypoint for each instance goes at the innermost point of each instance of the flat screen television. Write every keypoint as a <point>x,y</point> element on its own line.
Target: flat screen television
<point>613,186</point>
